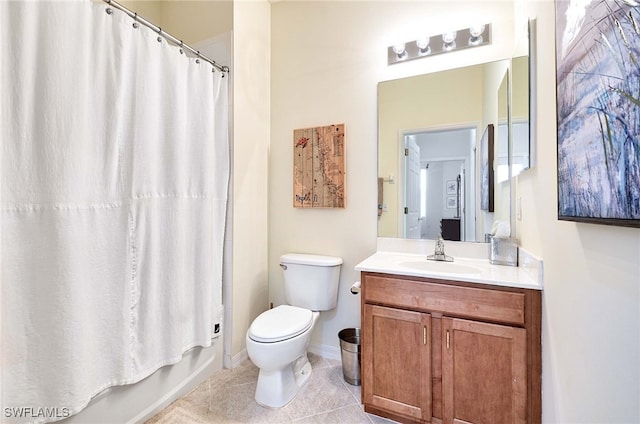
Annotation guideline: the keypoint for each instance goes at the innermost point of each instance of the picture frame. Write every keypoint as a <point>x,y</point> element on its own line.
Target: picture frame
<point>598,134</point>
<point>451,187</point>
<point>486,169</point>
<point>452,202</point>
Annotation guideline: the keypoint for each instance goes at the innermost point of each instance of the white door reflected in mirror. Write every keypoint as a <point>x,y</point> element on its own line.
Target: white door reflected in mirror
<point>438,183</point>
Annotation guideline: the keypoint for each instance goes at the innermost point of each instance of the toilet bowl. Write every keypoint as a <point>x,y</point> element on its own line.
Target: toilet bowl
<point>277,340</point>
<point>277,344</point>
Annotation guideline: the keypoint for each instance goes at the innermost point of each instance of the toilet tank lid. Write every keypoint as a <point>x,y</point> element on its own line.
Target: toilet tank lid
<point>307,259</point>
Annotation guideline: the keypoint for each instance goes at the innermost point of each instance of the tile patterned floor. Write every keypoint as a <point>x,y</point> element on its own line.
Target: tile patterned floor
<point>227,397</point>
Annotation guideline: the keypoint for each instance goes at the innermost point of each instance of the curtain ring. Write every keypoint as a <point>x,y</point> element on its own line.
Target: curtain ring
<point>135,18</point>
<point>181,44</point>
<point>159,35</point>
<point>198,56</point>
<point>109,11</point>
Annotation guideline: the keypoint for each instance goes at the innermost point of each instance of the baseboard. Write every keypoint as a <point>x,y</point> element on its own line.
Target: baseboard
<point>239,358</point>
<point>326,351</point>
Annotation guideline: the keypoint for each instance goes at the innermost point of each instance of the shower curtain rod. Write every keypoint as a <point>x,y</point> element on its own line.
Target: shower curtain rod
<point>174,40</point>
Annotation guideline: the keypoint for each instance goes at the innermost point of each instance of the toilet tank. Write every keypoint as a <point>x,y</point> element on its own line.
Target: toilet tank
<point>311,281</point>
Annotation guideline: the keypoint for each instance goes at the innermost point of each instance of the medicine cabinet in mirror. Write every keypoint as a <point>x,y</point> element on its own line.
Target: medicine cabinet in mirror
<point>429,157</point>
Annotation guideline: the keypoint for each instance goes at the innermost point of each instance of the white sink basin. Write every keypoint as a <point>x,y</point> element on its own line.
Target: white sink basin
<point>437,266</point>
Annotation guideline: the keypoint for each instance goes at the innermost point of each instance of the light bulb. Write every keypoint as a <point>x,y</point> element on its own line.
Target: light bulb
<point>449,37</point>
<point>422,43</point>
<point>398,49</point>
<point>476,30</point>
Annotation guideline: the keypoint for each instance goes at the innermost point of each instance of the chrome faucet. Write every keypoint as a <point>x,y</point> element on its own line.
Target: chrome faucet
<point>438,254</point>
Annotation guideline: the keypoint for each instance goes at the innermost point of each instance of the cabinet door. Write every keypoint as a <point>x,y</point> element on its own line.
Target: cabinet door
<point>396,361</point>
<point>483,372</point>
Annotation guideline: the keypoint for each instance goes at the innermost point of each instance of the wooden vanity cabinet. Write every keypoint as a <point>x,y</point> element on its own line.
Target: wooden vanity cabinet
<point>400,361</point>
<point>437,351</point>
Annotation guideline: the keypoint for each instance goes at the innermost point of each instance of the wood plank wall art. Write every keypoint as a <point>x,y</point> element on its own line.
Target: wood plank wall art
<point>319,167</point>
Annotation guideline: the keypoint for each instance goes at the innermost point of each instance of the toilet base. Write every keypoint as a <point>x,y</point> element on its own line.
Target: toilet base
<point>276,389</point>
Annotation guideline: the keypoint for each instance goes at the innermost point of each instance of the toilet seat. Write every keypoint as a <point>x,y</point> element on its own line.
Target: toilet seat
<point>280,323</point>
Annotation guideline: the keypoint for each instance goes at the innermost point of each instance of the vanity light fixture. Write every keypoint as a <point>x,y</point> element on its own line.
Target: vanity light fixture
<point>474,36</point>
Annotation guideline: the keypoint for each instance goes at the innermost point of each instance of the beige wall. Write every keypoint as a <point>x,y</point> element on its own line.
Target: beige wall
<point>520,91</point>
<point>251,127</point>
<point>189,21</point>
<point>150,10</point>
<point>194,21</point>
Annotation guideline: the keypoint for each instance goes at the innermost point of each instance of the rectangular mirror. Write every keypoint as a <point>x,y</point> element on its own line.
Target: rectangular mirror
<point>520,116</point>
<point>429,131</point>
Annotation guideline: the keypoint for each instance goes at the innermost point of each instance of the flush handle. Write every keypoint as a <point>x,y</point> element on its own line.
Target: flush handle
<point>283,266</point>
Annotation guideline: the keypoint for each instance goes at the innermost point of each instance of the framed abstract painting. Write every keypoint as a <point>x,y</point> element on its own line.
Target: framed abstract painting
<point>598,111</point>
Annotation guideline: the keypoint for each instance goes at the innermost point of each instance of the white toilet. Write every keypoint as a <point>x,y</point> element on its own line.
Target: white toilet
<point>277,340</point>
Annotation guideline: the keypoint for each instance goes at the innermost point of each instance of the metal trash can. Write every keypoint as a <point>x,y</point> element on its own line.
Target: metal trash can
<point>350,353</point>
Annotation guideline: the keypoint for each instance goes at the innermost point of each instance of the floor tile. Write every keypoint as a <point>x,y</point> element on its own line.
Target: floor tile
<point>352,414</point>
<point>228,398</point>
<point>355,390</point>
<point>324,392</point>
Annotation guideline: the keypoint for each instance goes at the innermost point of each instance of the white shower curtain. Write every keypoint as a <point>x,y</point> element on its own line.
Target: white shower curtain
<point>114,186</point>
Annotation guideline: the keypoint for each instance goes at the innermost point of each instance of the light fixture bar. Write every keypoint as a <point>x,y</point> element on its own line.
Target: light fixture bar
<point>462,39</point>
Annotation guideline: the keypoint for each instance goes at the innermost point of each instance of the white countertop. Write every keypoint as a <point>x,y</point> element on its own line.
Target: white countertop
<point>470,270</point>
